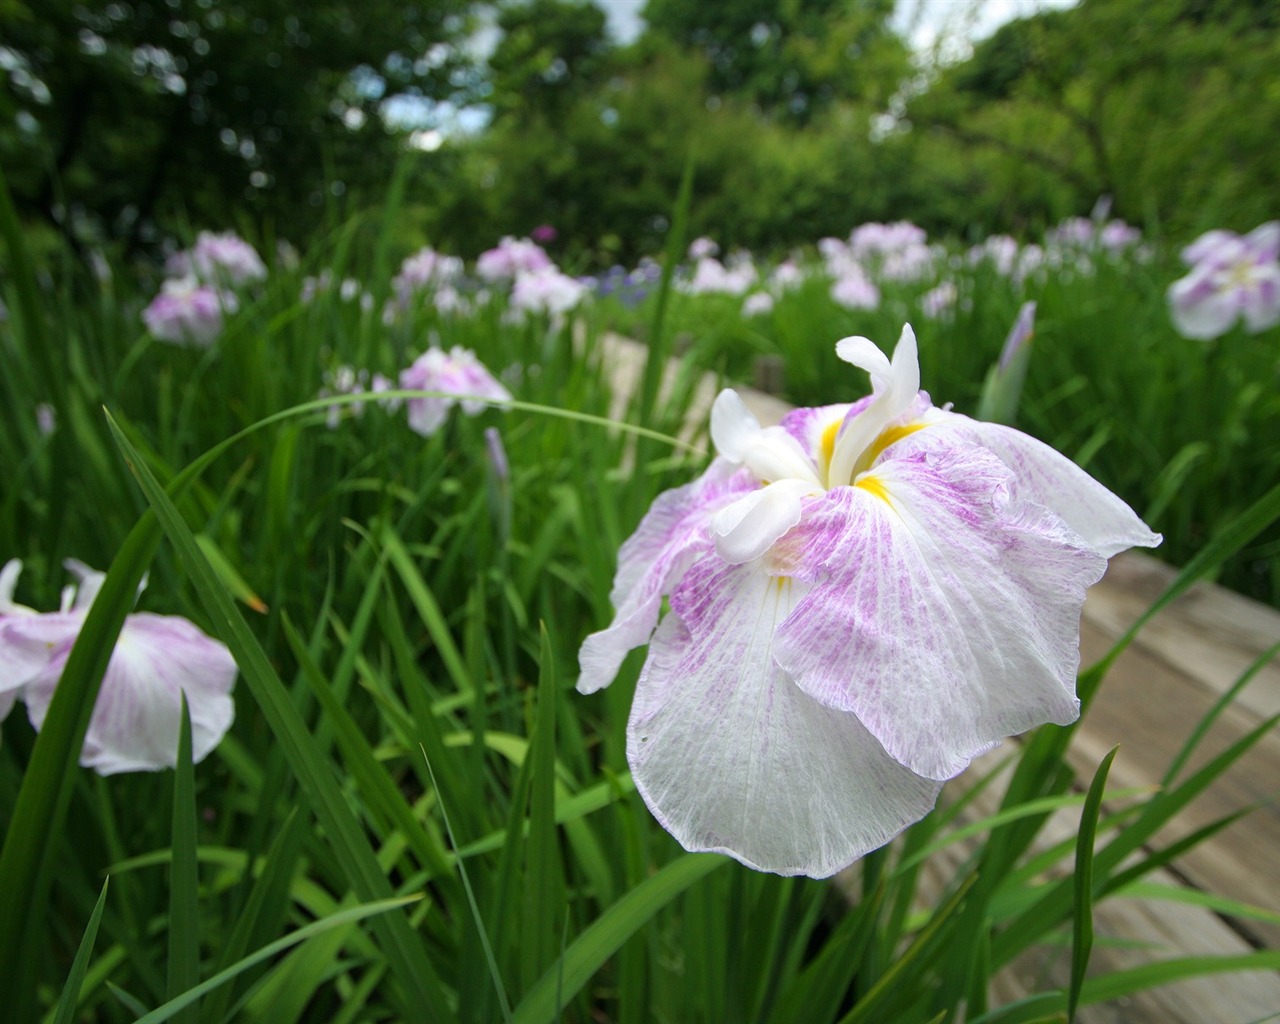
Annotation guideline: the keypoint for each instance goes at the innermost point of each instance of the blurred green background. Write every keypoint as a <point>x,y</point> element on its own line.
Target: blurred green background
<point>127,122</point>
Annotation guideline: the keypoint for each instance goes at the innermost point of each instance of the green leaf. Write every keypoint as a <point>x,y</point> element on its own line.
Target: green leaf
<point>336,920</point>
<point>1082,914</point>
<point>345,832</point>
<point>606,935</point>
<point>184,910</point>
<point>66,1010</point>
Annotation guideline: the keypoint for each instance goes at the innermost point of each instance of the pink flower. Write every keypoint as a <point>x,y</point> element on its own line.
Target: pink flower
<point>843,611</point>
<point>1231,277</point>
<point>854,291</point>
<point>510,257</point>
<point>187,312</point>
<point>225,259</point>
<point>459,377</point>
<point>157,658</point>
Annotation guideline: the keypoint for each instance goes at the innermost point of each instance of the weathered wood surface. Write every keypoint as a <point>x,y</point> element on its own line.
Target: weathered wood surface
<point>1155,694</point>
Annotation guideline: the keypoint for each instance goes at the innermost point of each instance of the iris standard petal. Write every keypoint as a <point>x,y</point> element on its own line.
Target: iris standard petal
<point>943,616</point>
<point>1047,477</point>
<point>731,757</point>
<point>135,720</point>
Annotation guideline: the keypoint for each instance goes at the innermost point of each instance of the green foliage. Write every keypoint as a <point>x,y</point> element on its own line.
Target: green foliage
<point>123,115</point>
<point>1162,106</point>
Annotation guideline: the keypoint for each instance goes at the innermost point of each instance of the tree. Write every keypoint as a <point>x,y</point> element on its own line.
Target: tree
<point>792,58</point>
<point>122,115</point>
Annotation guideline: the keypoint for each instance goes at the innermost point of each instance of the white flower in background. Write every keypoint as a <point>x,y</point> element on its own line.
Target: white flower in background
<point>757,304</point>
<point>861,600</point>
<point>512,257</point>
<point>546,291</point>
<point>460,378</point>
<point>1231,278</point>
<point>157,658</point>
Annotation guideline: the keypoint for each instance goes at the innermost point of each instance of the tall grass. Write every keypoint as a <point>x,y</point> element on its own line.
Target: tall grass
<point>414,817</point>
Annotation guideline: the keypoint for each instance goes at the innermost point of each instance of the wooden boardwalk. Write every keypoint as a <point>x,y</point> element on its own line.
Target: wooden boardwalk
<point>1156,693</point>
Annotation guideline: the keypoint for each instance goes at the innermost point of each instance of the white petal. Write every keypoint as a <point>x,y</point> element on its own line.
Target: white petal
<point>674,532</point>
<point>733,426</point>
<point>1048,478</point>
<point>1200,315</point>
<point>749,527</point>
<point>135,720</point>
<point>943,618</point>
<point>896,386</point>
<point>731,757</point>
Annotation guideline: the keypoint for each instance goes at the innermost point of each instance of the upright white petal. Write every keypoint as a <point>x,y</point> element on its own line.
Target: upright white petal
<point>895,385</point>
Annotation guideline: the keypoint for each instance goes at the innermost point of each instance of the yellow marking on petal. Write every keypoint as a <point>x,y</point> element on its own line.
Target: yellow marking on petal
<point>886,438</point>
<point>827,446</point>
<point>873,485</point>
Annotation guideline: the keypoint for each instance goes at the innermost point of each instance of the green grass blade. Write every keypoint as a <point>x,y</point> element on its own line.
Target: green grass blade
<point>606,935</point>
<point>544,881</point>
<point>307,931</point>
<point>1082,912</point>
<point>1119,984</point>
<point>870,1007</point>
<point>399,944</point>
<point>66,1009</point>
<point>184,909</point>
<point>483,933</point>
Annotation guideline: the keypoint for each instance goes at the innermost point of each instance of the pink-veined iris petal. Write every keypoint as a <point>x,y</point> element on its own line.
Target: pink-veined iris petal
<point>731,757</point>
<point>1046,477</point>
<point>674,532</point>
<point>1261,300</point>
<point>135,720</point>
<point>943,615</point>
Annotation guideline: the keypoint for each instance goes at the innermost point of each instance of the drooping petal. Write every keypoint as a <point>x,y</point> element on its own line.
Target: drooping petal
<point>135,720</point>
<point>731,757</point>
<point>29,643</point>
<point>943,616</point>
<point>1200,311</point>
<point>673,534</point>
<point>1046,477</point>
<point>1262,300</point>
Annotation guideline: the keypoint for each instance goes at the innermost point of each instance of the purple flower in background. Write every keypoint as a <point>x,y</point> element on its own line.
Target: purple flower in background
<point>187,312</point>
<point>861,600</point>
<point>156,659</point>
<point>1231,277</point>
<point>459,377</point>
<point>940,300</point>
<point>543,234</point>
<point>703,248</point>
<point>710,276</point>
<point>426,270</point>
<point>855,291</point>
<point>511,257</point>
<point>225,259</point>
